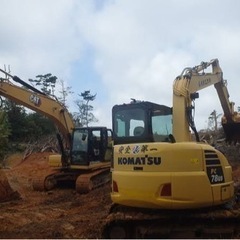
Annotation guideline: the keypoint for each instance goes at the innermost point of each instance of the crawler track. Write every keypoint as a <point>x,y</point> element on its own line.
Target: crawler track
<point>85,181</point>
<point>126,222</point>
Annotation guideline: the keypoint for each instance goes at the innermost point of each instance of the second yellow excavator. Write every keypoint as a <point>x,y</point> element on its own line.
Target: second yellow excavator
<point>164,184</point>
<point>185,91</point>
<point>86,152</point>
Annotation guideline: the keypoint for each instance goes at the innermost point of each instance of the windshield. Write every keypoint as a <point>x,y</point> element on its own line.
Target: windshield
<point>80,140</point>
<point>128,121</point>
<point>161,127</point>
<point>146,123</point>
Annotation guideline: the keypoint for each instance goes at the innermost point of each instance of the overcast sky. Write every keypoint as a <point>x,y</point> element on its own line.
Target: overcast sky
<point>122,49</point>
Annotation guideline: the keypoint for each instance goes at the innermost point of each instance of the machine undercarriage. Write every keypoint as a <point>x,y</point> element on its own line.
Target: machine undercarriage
<point>84,181</point>
<point>128,222</point>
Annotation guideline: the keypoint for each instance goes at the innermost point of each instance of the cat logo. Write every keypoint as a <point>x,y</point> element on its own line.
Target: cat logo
<point>35,100</point>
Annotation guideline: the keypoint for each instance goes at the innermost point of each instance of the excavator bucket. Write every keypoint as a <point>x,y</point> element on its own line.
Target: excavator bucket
<point>232,132</point>
<point>6,192</point>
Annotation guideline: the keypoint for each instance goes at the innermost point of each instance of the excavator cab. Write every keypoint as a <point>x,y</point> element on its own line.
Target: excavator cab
<point>139,122</point>
<point>90,145</point>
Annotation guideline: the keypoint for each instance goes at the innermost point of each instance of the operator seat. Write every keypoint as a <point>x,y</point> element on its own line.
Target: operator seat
<point>138,131</point>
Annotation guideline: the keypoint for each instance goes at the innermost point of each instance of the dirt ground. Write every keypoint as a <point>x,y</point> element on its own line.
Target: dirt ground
<point>60,213</point>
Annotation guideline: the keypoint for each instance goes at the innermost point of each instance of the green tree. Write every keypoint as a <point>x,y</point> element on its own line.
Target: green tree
<point>47,82</point>
<point>26,126</point>
<point>85,115</point>
<point>38,126</point>
<point>5,132</point>
<point>17,120</point>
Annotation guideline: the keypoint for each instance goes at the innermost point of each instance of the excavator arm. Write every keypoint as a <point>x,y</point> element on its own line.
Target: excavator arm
<point>35,100</point>
<point>185,89</point>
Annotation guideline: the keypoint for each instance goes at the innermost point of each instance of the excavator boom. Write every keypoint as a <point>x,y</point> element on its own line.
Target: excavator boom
<point>185,91</point>
<point>35,100</point>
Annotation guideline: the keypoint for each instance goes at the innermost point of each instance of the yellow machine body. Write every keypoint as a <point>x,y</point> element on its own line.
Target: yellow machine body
<point>165,182</point>
<point>170,175</point>
<point>55,160</point>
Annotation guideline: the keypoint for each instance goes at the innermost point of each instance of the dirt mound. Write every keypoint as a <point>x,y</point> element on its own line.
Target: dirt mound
<point>14,172</point>
<point>6,192</point>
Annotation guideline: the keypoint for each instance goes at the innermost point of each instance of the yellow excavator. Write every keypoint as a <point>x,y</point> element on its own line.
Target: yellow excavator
<point>164,184</point>
<point>86,152</point>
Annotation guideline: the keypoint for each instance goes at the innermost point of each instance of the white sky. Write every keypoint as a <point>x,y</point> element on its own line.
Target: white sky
<point>122,49</point>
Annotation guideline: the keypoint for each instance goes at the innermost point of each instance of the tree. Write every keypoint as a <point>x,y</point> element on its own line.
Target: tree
<point>85,115</point>
<point>26,126</point>
<point>47,83</point>
<point>214,133</point>
<point>39,126</point>
<point>17,120</point>
<point>5,132</point>
<point>65,91</point>
<point>213,121</point>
